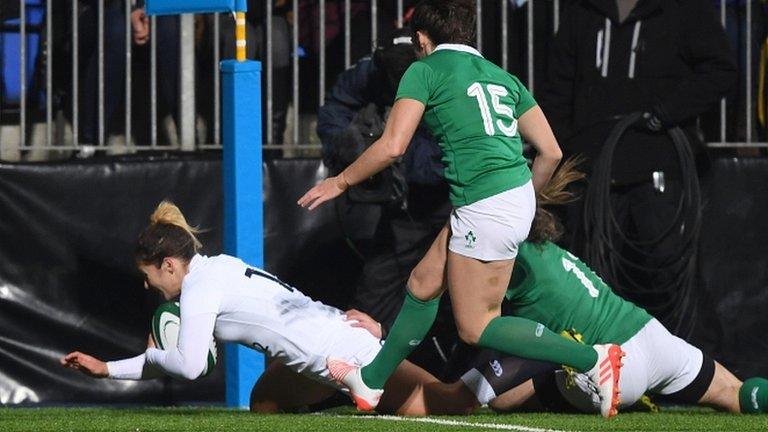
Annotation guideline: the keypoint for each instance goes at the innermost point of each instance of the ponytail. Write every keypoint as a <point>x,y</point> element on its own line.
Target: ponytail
<point>168,235</point>
<point>546,226</point>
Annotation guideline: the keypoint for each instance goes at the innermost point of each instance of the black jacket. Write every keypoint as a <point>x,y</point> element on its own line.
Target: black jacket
<point>670,57</point>
<point>339,132</point>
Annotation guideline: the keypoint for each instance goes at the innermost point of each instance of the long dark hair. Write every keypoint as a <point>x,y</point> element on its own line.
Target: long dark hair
<point>546,226</point>
<point>168,235</point>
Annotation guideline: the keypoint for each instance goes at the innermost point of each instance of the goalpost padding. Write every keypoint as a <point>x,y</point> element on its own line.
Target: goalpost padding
<point>243,202</point>
<point>242,171</point>
<point>175,7</point>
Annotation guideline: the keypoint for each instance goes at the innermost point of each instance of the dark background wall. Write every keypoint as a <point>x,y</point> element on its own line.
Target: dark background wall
<point>68,281</point>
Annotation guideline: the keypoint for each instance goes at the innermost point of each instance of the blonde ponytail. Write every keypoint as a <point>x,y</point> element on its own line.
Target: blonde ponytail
<point>168,235</point>
<point>169,214</point>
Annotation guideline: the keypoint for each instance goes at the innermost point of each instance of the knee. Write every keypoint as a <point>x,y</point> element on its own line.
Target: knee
<point>471,327</point>
<point>469,334</point>
<point>425,285</point>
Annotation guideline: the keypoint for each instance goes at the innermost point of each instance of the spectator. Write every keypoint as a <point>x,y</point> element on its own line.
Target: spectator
<point>256,48</point>
<point>669,59</point>
<point>736,30</point>
<point>394,217</point>
<point>114,61</point>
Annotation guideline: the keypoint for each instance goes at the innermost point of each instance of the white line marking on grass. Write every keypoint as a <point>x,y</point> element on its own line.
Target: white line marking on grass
<point>445,422</point>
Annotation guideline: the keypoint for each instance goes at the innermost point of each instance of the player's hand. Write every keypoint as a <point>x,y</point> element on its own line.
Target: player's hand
<point>326,190</point>
<point>363,320</point>
<point>86,364</point>
<point>140,23</point>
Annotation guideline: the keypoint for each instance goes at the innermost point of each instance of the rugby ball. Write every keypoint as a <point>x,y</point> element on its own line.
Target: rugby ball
<point>165,331</point>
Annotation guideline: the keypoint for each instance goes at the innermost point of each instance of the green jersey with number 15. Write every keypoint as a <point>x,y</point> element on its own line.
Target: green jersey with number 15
<point>553,287</point>
<point>472,108</point>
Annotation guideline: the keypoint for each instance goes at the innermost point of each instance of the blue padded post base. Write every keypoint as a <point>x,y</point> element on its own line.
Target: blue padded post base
<point>243,201</point>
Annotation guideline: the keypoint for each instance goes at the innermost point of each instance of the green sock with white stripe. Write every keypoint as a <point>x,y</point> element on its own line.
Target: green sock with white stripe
<point>753,396</point>
<point>411,325</point>
<point>528,339</point>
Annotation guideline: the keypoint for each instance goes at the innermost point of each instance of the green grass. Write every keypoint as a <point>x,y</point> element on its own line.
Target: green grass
<point>219,419</point>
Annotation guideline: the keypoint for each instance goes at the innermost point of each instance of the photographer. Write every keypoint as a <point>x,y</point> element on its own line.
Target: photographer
<point>392,218</point>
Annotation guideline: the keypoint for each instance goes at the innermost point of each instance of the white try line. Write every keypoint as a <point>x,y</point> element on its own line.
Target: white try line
<point>446,422</point>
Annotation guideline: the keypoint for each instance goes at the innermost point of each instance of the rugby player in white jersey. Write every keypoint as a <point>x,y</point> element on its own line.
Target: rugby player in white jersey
<point>225,298</point>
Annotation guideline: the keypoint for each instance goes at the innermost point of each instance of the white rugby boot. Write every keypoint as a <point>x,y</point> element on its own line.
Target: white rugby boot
<point>605,375</point>
<point>348,375</point>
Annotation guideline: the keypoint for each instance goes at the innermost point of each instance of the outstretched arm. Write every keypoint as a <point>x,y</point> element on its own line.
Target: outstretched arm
<point>131,368</point>
<point>401,125</point>
<point>86,364</point>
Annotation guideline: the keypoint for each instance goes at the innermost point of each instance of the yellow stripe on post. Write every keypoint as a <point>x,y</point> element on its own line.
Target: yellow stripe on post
<point>240,36</point>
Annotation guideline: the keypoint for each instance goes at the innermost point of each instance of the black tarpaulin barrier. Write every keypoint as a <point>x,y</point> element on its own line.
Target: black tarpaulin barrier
<point>733,266</point>
<point>68,281</point>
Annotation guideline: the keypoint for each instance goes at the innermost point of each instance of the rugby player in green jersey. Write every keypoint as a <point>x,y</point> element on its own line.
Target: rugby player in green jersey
<point>554,288</point>
<point>477,113</point>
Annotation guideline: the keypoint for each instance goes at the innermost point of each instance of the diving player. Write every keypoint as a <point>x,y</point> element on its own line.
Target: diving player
<point>225,298</point>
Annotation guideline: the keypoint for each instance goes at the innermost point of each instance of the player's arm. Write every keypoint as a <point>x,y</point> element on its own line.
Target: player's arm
<point>535,129</point>
<point>189,358</point>
<point>86,364</point>
<point>134,368</point>
<point>401,125</point>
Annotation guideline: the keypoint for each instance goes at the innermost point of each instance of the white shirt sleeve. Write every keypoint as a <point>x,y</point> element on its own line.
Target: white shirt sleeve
<point>189,358</point>
<point>201,297</point>
<point>134,368</point>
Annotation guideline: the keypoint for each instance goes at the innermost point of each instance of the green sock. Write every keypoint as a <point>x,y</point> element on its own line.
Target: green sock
<point>525,338</point>
<point>411,325</point>
<point>753,396</point>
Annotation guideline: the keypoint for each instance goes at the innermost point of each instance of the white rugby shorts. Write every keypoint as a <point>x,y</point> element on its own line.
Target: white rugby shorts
<point>491,229</point>
<point>657,361</point>
<point>354,345</point>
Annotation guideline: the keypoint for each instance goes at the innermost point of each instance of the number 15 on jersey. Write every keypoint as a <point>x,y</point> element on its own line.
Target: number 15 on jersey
<point>503,113</point>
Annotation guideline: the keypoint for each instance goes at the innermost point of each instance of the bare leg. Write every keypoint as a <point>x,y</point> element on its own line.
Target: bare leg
<point>412,391</point>
<point>723,392</point>
<point>275,391</point>
<point>416,315</point>
<point>477,289</point>
<point>427,279</point>
<point>520,398</point>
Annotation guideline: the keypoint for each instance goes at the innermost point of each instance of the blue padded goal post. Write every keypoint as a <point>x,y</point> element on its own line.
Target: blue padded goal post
<point>242,171</point>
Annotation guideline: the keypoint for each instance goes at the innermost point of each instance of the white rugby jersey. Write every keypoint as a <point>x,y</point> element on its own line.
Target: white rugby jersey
<point>224,297</point>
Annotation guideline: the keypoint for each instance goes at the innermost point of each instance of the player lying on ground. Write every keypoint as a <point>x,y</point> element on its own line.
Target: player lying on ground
<point>478,113</point>
<point>554,288</point>
<point>225,298</point>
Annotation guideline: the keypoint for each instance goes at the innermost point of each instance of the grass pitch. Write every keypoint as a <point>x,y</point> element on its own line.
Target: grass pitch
<point>220,419</point>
